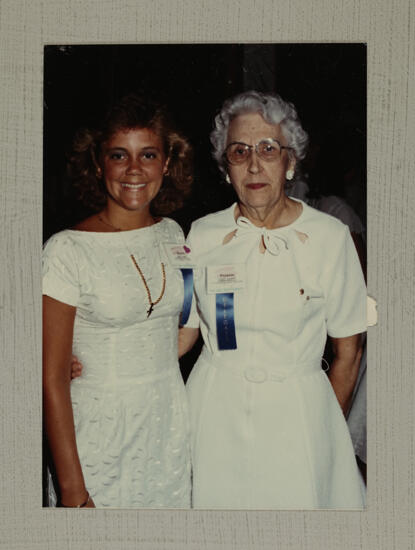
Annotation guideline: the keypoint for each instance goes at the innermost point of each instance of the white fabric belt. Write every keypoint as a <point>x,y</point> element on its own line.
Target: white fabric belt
<point>263,373</point>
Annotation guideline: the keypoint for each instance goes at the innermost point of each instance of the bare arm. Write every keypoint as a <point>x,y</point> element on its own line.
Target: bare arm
<point>58,322</point>
<point>345,367</point>
<point>187,339</point>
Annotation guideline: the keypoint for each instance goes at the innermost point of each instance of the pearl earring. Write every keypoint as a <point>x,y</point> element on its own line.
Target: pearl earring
<point>289,174</point>
<point>228,179</point>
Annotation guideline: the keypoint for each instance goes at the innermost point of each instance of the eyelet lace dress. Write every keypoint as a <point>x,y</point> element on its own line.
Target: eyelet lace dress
<point>130,407</point>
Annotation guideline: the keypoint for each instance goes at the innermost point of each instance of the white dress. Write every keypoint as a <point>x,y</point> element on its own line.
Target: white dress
<point>267,429</point>
<point>130,406</point>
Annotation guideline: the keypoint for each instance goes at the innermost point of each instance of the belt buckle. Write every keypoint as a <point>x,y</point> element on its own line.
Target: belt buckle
<point>256,375</point>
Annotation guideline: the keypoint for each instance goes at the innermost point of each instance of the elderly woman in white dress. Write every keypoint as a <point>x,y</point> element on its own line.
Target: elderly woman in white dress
<point>119,435</point>
<point>274,278</point>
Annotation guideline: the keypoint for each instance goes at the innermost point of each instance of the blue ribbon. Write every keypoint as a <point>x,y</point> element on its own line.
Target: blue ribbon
<point>225,323</point>
<point>188,294</point>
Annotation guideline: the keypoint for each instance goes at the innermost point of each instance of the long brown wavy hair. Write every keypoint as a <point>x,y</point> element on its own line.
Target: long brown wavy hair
<point>132,111</point>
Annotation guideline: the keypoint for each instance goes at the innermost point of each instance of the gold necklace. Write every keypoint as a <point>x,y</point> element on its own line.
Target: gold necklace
<point>101,219</point>
<point>150,301</point>
<point>163,271</point>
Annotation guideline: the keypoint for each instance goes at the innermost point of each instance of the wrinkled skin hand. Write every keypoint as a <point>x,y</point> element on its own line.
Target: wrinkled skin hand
<point>76,367</point>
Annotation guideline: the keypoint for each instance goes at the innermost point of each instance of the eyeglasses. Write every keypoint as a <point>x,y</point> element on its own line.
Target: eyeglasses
<point>268,149</point>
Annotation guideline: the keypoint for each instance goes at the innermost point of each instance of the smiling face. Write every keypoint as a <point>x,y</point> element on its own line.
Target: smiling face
<point>132,165</point>
<point>258,183</point>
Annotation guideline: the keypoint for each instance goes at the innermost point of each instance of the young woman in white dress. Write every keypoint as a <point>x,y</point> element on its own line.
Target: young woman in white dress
<point>274,278</point>
<point>119,435</point>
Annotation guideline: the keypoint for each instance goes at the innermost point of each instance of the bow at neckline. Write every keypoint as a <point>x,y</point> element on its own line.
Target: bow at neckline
<point>273,241</point>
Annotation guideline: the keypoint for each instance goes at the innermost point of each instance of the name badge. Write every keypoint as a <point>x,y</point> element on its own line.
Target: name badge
<point>225,278</point>
<point>179,255</point>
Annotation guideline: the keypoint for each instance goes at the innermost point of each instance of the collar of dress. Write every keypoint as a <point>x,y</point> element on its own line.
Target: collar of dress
<point>273,240</point>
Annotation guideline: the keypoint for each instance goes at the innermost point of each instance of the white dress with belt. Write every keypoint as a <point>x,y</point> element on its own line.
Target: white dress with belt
<point>267,429</point>
<point>130,406</point>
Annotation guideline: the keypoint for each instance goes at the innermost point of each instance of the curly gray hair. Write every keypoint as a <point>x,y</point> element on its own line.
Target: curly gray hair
<point>273,109</point>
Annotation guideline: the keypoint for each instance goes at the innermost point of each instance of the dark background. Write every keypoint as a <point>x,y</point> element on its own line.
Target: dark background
<point>326,83</point>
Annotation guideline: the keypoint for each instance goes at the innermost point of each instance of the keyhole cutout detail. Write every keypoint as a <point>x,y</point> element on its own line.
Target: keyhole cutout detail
<point>262,245</point>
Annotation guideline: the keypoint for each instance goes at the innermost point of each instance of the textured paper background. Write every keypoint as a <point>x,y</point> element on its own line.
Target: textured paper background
<point>388,28</point>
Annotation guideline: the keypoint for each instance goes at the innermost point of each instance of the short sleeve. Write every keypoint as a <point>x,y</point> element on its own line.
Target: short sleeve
<point>345,289</point>
<point>174,231</point>
<point>193,320</point>
<point>60,270</point>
